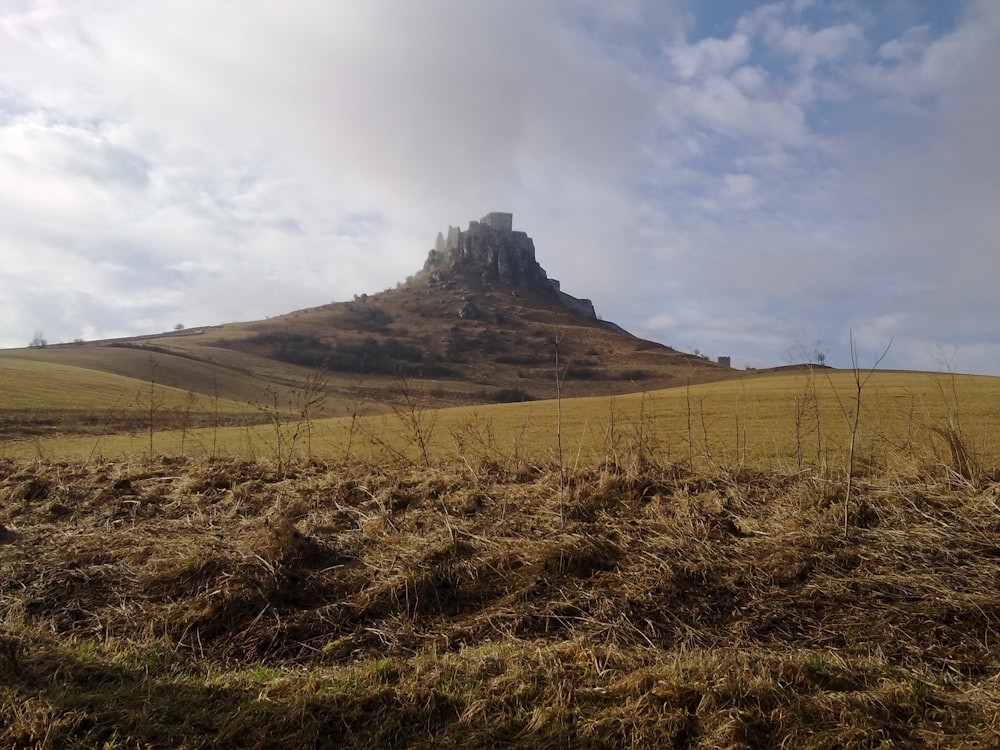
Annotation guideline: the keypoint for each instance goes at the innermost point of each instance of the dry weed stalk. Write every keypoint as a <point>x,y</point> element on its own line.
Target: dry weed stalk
<point>412,412</point>
<point>963,462</point>
<point>612,460</point>
<point>271,407</point>
<point>108,416</point>
<point>859,383</point>
<point>690,432</point>
<point>149,401</point>
<point>476,441</point>
<point>560,373</point>
<point>310,403</point>
<point>357,402</point>
<point>185,409</point>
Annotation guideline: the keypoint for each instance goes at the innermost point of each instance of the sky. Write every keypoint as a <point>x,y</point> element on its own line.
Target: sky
<point>758,180</point>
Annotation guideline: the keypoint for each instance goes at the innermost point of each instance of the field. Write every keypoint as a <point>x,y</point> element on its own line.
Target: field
<point>707,566</point>
<point>802,418</point>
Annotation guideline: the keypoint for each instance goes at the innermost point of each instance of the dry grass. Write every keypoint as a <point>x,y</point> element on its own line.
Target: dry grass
<point>478,604</point>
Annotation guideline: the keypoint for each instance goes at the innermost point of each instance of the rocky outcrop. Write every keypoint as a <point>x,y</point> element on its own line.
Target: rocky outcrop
<point>491,252</point>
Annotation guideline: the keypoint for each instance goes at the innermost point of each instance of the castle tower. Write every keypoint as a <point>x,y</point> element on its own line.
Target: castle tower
<point>499,221</point>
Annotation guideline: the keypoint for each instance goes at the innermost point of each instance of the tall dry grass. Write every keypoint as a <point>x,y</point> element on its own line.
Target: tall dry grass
<point>490,601</point>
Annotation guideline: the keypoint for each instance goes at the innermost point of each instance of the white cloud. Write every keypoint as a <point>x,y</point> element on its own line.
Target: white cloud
<point>910,46</point>
<point>810,48</point>
<point>710,56</point>
<point>917,64</point>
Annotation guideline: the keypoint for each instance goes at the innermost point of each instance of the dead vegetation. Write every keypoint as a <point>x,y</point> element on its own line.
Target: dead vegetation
<point>197,603</point>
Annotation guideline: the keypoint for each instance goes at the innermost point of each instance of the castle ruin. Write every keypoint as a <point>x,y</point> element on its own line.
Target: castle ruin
<point>496,254</point>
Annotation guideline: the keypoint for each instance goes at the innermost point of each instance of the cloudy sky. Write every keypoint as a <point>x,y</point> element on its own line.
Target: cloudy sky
<point>735,177</point>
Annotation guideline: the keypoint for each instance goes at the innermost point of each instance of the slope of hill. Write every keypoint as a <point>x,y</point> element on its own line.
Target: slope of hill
<point>41,399</point>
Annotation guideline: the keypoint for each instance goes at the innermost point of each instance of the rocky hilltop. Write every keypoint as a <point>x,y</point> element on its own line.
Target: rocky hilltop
<point>490,252</point>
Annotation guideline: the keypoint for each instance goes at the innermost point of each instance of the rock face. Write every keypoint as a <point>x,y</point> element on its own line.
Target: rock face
<point>493,253</point>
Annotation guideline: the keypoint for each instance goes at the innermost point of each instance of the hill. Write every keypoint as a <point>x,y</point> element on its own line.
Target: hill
<point>480,322</point>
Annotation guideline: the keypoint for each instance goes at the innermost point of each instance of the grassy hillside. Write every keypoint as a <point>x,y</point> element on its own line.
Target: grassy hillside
<point>44,398</point>
<point>461,345</point>
<point>230,376</point>
<point>38,386</point>
<point>191,603</point>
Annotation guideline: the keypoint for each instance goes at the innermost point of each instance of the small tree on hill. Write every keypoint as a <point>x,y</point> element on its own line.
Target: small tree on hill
<point>38,342</point>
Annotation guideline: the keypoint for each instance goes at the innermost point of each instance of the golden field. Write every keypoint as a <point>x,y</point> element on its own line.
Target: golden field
<point>798,418</point>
